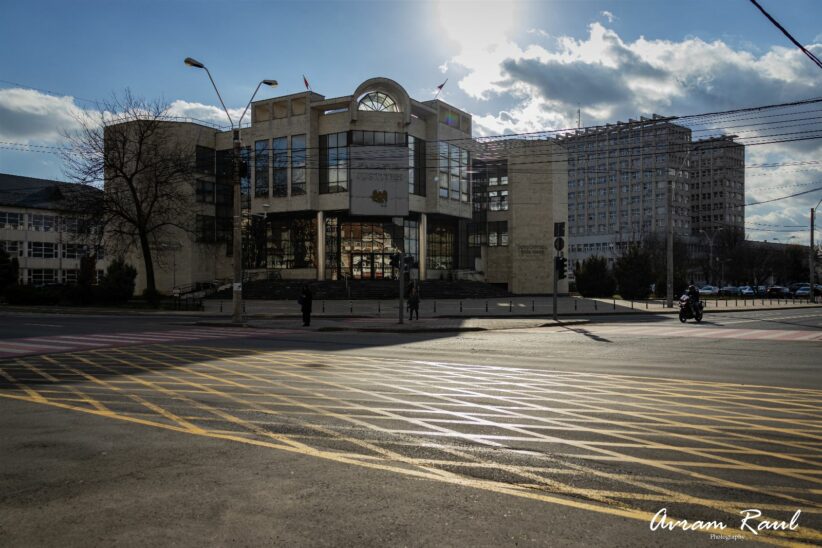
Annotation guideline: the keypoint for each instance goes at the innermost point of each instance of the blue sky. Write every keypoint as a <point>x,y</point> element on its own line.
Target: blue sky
<point>517,66</point>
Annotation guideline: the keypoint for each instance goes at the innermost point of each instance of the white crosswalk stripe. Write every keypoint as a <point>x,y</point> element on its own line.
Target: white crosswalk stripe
<point>65,343</point>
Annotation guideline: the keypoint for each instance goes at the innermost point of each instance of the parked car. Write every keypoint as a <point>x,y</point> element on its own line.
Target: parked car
<point>709,290</point>
<point>794,286</point>
<point>804,290</point>
<point>747,291</point>
<point>729,291</point>
<point>778,291</point>
<point>760,290</point>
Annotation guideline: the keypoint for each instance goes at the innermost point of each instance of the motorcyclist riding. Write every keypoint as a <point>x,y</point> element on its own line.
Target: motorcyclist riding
<point>693,298</point>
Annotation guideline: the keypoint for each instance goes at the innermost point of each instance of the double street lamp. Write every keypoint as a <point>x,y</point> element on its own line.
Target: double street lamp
<point>711,251</point>
<point>237,259</point>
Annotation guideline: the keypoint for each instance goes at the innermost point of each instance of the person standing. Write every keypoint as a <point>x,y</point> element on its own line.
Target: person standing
<point>304,300</point>
<point>413,303</point>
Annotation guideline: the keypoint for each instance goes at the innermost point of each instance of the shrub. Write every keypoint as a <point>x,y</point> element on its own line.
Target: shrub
<point>9,268</point>
<point>117,285</point>
<point>594,279</point>
<point>30,295</point>
<point>634,273</point>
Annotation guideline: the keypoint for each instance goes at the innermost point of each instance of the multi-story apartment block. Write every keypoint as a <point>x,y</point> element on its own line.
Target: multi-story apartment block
<point>717,185</point>
<point>619,180</point>
<point>35,227</point>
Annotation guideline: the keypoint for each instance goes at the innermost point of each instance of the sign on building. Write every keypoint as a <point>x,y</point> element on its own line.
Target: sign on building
<point>379,181</point>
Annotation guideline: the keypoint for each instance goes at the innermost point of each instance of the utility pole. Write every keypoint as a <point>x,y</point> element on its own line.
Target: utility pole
<point>812,260</point>
<point>237,255</point>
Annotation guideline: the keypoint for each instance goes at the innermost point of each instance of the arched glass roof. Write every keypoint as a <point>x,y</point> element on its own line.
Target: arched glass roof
<point>378,101</point>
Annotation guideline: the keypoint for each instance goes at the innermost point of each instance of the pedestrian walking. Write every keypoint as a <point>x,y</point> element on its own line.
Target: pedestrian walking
<point>413,303</point>
<point>304,300</point>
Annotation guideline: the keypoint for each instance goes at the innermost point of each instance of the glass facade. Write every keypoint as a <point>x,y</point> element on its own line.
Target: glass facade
<point>453,172</point>
<point>416,166</point>
<point>279,148</point>
<point>441,249</point>
<point>298,156</point>
<point>362,249</point>
<point>334,163</point>
<point>261,153</point>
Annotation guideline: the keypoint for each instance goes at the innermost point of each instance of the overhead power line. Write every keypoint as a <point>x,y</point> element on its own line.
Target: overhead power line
<point>785,197</point>
<point>802,48</point>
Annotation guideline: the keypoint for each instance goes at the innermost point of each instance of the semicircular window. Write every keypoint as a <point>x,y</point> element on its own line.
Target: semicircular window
<point>378,101</point>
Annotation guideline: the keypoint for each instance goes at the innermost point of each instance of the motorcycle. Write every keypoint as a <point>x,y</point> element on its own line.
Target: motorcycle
<point>687,312</point>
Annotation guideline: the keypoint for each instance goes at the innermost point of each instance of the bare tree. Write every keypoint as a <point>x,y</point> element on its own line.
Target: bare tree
<point>130,150</point>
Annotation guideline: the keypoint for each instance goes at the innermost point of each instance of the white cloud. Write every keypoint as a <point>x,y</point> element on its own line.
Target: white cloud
<point>608,15</point>
<point>28,116</point>
<point>611,79</point>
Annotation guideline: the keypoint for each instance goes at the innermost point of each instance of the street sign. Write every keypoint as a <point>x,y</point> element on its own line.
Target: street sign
<point>559,244</point>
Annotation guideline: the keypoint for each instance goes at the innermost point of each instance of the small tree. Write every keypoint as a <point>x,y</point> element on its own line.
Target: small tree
<point>9,269</point>
<point>634,273</point>
<point>594,279</point>
<point>118,282</point>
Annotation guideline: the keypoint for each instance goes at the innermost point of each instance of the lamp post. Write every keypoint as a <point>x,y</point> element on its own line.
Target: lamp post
<point>812,256</point>
<point>711,251</point>
<point>237,291</point>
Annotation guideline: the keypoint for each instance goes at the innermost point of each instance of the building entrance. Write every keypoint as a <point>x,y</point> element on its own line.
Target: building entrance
<point>371,266</point>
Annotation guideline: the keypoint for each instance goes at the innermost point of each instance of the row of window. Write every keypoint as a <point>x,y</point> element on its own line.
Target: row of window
<point>45,276</point>
<point>40,222</point>
<point>49,250</point>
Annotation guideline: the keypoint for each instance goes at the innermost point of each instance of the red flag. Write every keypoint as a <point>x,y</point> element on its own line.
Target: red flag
<point>307,85</point>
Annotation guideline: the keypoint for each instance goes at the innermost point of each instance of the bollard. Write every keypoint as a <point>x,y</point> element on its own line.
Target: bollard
<point>726,303</point>
<point>532,305</point>
<point>486,306</point>
<point>460,307</point>
<point>632,304</point>
<point>221,306</point>
<point>646,305</point>
<point>575,305</point>
<point>351,307</point>
<point>614,304</point>
<point>323,307</point>
<point>509,306</point>
<point>595,305</point>
<point>378,308</point>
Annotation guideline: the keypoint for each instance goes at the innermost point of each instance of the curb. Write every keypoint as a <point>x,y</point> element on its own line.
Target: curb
<point>332,328</point>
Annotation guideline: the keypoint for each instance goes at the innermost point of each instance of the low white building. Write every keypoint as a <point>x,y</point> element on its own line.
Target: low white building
<point>35,228</point>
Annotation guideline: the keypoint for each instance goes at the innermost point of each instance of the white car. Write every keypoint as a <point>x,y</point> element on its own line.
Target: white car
<point>747,291</point>
<point>709,290</point>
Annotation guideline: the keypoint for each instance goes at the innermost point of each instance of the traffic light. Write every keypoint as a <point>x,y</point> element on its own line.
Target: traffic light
<point>561,267</point>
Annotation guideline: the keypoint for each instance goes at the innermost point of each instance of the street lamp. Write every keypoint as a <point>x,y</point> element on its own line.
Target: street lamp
<point>711,251</point>
<point>237,291</point>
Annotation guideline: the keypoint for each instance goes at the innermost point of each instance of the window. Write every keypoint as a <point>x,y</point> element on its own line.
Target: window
<point>42,222</point>
<point>454,165</point>
<point>42,250</point>
<point>71,225</point>
<point>280,162</point>
<point>291,244</point>
<point>261,154</point>
<point>70,276</point>
<point>378,101</point>
<point>297,165</point>
<point>14,249</point>
<point>498,234</point>
<point>443,169</point>
<point>441,246</point>
<point>334,163</point>
<point>204,162</point>
<point>73,251</point>
<point>477,235</point>
<point>464,189</point>
<point>204,190</point>
<point>43,276</point>
<point>10,220</point>
<point>498,200</point>
<point>416,166</point>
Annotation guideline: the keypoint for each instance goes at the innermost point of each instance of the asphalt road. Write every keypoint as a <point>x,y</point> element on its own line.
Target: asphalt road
<point>552,436</point>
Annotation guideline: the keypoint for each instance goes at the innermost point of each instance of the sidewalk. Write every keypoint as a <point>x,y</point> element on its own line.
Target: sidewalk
<point>391,325</point>
<point>517,307</point>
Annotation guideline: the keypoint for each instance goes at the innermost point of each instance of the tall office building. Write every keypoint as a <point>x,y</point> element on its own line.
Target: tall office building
<point>619,177</point>
<point>717,185</point>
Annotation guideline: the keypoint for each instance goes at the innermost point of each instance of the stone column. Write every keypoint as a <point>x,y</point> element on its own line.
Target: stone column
<point>423,227</point>
<point>320,246</point>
